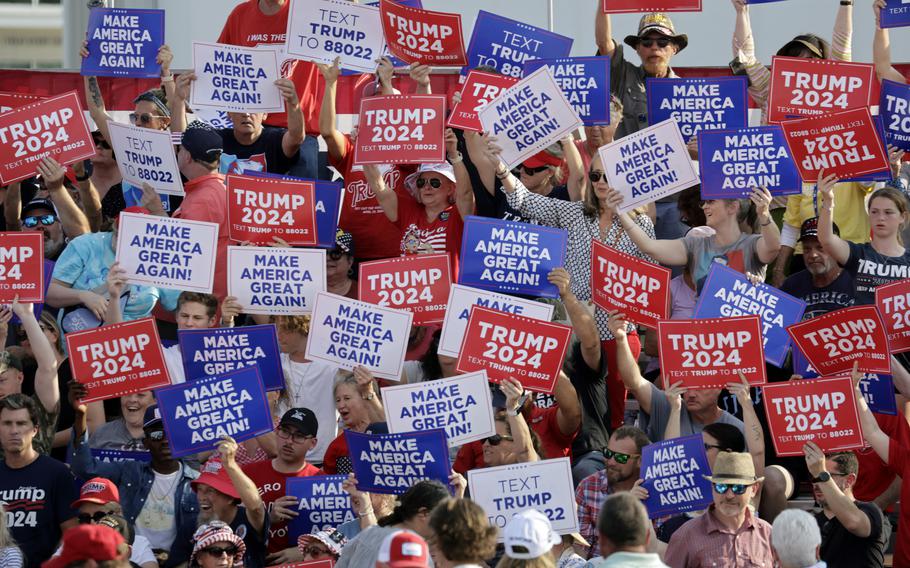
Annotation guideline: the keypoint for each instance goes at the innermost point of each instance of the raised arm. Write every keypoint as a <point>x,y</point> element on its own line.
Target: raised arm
<point>603,31</point>
<point>46,376</point>
<point>873,434</point>
<point>474,143</point>
<point>521,434</point>
<point>367,388</point>
<point>420,74</point>
<point>674,398</point>
<point>755,436</point>
<point>577,182</point>
<point>833,244</point>
<point>72,218</point>
<point>582,321</point>
<point>293,136</point>
<point>626,363</point>
<point>96,102</point>
<point>844,508</point>
<point>88,196</point>
<point>768,245</point>
<point>666,251</point>
<point>12,206</point>
<point>177,102</point>
<point>881,48</point>
<point>842,38</point>
<point>116,282</point>
<point>386,196</point>
<point>464,194</point>
<point>249,494</point>
<point>744,51</point>
<point>568,415</point>
<point>334,139</point>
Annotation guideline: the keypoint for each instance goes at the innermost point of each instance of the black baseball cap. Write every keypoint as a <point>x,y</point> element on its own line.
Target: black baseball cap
<point>809,229</point>
<point>202,142</point>
<point>302,419</point>
<point>37,204</point>
<point>152,418</point>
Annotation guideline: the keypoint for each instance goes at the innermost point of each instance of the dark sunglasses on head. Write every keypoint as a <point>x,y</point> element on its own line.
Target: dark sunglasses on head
<point>595,176</point>
<point>155,435</point>
<point>737,489</point>
<point>435,183</point>
<point>532,171</point>
<point>46,220</point>
<point>497,439</point>
<point>661,42</point>
<point>85,518</point>
<point>619,457</point>
<point>217,551</point>
<point>144,118</point>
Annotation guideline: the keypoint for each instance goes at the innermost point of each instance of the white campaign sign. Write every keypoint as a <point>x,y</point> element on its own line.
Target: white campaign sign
<point>529,116</point>
<point>649,164</point>
<point>349,333</point>
<point>279,281</point>
<point>542,485</point>
<point>321,30</point>
<point>237,79</point>
<point>167,253</point>
<point>146,156</point>
<point>461,298</point>
<point>461,405</point>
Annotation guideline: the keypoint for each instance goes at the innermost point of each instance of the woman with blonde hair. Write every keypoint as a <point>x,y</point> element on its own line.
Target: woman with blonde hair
<point>10,555</point>
<point>358,404</point>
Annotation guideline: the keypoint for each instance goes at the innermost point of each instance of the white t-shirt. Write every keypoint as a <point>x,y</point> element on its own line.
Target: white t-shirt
<point>157,521</point>
<point>173,358</point>
<point>310,385</point>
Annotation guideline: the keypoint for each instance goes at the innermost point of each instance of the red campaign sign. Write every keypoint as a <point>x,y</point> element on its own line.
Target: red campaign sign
<point>816,410</point>
<point>22,267</point>
<point>707,353</point>
<point>53,127</point>
<point>260,208</point>
<point>9,101</point>
<point>509,346</point>
<point>479,89</point>
<point>401,129</point>
<point>418,284</point>
<point>833,341</point>
<point>621,6</point>
<point>812,87</point>
<point>622,282</point>
<point>893,303</point>
<point>118,359</point>
<point>845,144</point>
<point>423,36</point>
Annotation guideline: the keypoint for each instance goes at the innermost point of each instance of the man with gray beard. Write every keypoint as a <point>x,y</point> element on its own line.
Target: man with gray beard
<point>823,285</point>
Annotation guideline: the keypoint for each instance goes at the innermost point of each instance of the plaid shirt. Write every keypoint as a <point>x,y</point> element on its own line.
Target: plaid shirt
<point>590,496</point>
<point>703,542</point>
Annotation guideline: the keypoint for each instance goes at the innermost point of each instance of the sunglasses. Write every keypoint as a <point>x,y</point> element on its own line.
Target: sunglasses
<point>737,489</point>
<point>596,176</point>
<point>709,446</point>
<point>620,458</point>
<point>217,551</point>
<point>435,183</point>
<point>335,254</point>
<point>155,435</point>
<point>102,144</point>
<point>497,439</point>
<point>144,118</point>
<point>532,171</point>
<point>85,518</point>
<point>315,551</point>
<point>661,42</point>
<point>46,220</point>
<point>296,437</point>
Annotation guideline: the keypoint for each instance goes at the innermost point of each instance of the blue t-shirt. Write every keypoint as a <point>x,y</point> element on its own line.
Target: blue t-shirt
<point>819,301</point>
<point>84,265</point>
<point>37,500</point>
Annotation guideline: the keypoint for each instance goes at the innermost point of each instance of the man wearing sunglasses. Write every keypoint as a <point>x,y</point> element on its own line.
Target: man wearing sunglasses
<point>728,533</point>
<point>155,496</point>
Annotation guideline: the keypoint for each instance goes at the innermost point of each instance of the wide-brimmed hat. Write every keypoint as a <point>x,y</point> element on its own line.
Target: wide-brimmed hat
<point>444,169</point>
<point>215,532</point>
<point>331,538</point>
<point>661,24</point>
<point>734,468</point>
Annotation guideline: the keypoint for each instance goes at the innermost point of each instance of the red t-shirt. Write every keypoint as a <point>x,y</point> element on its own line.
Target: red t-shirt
<point>337,449</point>
<point>361,215</point>
<point>874,475</point>
<point>899,462</point>
<point>270,484</point>
<point>247,26</point>
<point>442,234</point>
<point>206,200</point>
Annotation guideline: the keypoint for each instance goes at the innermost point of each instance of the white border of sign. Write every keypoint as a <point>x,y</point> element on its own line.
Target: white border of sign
<point>311,259</point>
<point>162,147</point>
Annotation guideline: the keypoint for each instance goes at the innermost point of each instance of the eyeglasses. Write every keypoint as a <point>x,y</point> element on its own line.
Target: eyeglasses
<point>315,551</point>
<point>709,446</point>
<point>532,171</point>
<point>661,42</point>
<point>217,551</point>
<point>435,183</point>
<point>497,439</point>
<point>85,518</point>
<point>102,144</point>
<point>737,489</point>
<point>155,435</point>
<point>296,437</point>
<point>596,176</point>
<point>620,458</point>
<point>46,220</point>
<point>335,254</point>
<point>144,118</point>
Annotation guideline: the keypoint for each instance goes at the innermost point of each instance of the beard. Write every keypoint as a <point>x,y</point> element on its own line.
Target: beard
<point>52,249</point>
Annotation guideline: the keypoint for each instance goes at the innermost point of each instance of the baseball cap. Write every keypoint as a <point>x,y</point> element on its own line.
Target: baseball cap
<point>529,535</point>
<point>302,419</point>
<point>37,204</point>
<point>152,417</point>
<point>97,490</point>
<point>344,241</point>
<point>9,361</point>
<point>215,476</point>
<point>658,23</point>
<point>87,542</point>
<point>202,142</point>
<point>404,549</point>
<point>541,159</point>
<point>809,229</point>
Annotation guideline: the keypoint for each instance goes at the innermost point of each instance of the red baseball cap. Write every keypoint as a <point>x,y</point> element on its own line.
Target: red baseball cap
<point>215,476</point>
<point>541,159</point>
<point>404,549</point>
<point>97,490</point>
<point>87,542</point>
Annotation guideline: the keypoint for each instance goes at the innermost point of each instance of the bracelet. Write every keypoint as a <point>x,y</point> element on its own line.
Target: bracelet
<point>502,174</point>
<point>369,513</point>
<point>368,396</point>
<point>766,224</point>
<point>167,78</point>
<point>457,159</point>
<point>846,2</point>
<point>80,178</point>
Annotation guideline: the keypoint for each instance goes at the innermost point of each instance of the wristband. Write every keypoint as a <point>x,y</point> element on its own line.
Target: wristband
<point>369,513</point>
<point>846,2</point>
<point>167,78</point>
<point>83,178</point>
<point>457,159</point>
<point>368,396</point>
<point>766,224</point>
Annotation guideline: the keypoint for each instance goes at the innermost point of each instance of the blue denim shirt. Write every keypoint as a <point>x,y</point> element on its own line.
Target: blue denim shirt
<point>134,480</point>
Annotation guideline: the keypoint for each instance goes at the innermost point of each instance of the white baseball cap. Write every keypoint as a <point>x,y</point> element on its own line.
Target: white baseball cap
<point>529,535</point>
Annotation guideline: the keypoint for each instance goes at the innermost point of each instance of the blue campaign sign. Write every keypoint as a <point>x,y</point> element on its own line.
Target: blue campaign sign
<point>732,162</point>
<point>894,109</point>
<point>120,455</point>
<point>718,103</point>
<point>674,472</point>
<point>802,366</point>
<point>328,203</point>
<point>728,293</point>
<point>209,352</point>
<point>123,43</point>
<point>132,196</point>
<point>391,463</point>
<point>586,83</point>
<point>896,13</point>
<point>878,389</point>
<point>321,504</point>
<point>506,44</point>
<point>197,414</point>
<point>511,257</point>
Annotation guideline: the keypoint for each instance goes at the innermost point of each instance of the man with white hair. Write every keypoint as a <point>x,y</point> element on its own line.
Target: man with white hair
<point>796,540</point>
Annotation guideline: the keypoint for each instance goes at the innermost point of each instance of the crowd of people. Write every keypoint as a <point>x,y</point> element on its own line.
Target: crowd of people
<point>831,246</point>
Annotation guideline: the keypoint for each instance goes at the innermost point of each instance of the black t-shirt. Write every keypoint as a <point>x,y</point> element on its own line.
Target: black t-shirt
<point>842,549</point>
<point>871,269</point>
<point>265,154</point>
<point>256,544</point>
<point>591,385</point>
<point>494,205</point>
<point>819,301</point>
<point>37,500</point>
